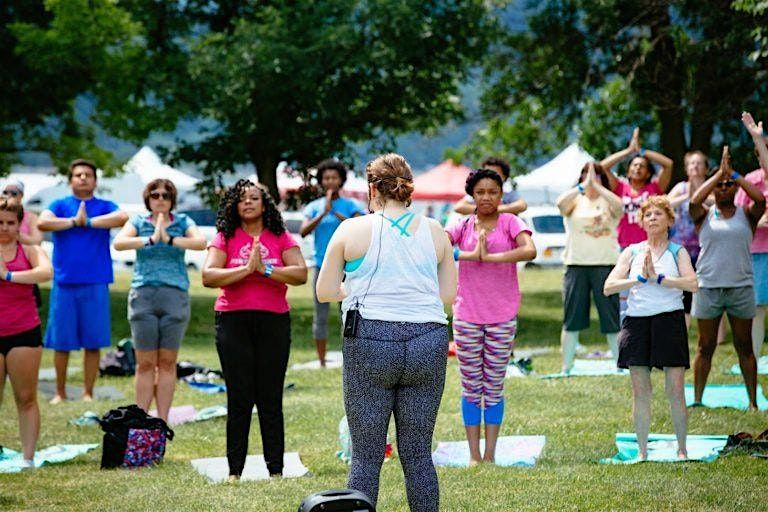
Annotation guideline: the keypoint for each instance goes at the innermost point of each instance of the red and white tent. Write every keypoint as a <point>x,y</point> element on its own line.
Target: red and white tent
<point>442,183</point>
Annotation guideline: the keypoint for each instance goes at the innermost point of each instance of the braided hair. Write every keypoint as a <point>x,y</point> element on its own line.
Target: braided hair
<point>228,219</point>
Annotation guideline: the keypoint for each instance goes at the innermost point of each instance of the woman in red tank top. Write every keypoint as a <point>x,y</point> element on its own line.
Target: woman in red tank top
<point>21,266</point>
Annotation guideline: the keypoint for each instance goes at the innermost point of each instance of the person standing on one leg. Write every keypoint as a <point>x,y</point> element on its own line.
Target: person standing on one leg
<point>323,217</point>
<point>489,245</point>
<point>21,342</point>
<point>158,303</point>
<point>759,248</point>
<point>654,334</point>
<point>725,272</point>
<point>79,303</point>
<point>591,213</point>
<point>252,259</point>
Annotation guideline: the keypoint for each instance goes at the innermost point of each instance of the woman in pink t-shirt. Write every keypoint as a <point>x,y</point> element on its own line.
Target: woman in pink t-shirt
<point>21,343</point>
<point>252,259</point>
<point>637,186</point>
<point>488,246</point>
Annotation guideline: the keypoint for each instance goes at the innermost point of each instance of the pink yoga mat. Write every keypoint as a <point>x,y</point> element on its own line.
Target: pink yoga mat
<point>178,415</point>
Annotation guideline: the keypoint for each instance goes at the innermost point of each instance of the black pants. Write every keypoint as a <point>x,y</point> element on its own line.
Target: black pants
<point>253,348</point>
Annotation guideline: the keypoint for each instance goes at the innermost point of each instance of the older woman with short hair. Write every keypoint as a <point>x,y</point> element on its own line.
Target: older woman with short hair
<point>158,303</point>
<point>21,344</point>
<point>653,334</point>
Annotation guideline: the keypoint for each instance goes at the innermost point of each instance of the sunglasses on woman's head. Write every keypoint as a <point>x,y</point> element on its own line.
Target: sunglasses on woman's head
<point>12,193</point>
<point>726,184</point>
<point>158,195</point>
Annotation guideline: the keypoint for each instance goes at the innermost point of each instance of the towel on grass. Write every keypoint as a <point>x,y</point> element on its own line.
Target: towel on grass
<point>726,395</point>
<point>333,359</point>
<point>48,390</point>
<point>663,448</point>
<point>762,367</point>
<point>589,368</point>
<point>520,451</point>
<point>216,469</point>
<point>178,414</point>
<point>12,461</point>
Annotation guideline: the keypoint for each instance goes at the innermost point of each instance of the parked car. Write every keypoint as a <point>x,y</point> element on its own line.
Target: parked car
<point>548,233</point>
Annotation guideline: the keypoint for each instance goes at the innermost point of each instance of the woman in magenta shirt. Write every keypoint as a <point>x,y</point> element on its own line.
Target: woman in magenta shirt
<point>21,343</point>
<point>252,259</point>
<point>638,186</point>
<point>488,246</point>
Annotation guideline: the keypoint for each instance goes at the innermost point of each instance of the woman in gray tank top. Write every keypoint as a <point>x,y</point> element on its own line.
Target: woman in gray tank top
<point>724,271</point>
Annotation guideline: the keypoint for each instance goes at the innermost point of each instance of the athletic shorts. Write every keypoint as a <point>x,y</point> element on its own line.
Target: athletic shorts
<point>579,283</point>
<point>654,341</point>
<point>31,338</point>
<point>760,276</point>
<point>711,303</point>
<point>78,317</point>
<point>159,316</point>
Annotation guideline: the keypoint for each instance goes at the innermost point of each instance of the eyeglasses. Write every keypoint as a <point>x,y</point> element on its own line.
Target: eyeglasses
<point>158,195</point>
<point>12,193</point>
<point>726,184</point>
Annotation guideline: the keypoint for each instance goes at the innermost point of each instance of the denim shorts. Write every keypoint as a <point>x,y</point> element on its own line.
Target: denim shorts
<point>159,316</point>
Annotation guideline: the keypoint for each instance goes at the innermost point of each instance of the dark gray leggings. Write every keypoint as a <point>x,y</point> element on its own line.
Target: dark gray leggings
<point>395,367</point>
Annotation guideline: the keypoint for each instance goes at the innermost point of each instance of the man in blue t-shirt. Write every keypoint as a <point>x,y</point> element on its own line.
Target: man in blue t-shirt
<point>78,315</point>
<point>323,216</point>
<point>511,202</point>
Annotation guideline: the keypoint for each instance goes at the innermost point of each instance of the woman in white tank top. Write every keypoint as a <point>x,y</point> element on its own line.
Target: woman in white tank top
<point>653,334</point>
<point>400,273</point>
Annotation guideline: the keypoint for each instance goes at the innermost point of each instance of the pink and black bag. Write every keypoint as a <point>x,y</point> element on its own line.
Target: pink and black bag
<point>132,438</point>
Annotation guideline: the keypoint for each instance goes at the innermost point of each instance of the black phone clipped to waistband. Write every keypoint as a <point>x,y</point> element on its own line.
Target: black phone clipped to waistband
<point>352,323</point>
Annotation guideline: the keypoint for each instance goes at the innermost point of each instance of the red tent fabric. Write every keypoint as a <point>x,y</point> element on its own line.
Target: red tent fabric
<point>442,183</point>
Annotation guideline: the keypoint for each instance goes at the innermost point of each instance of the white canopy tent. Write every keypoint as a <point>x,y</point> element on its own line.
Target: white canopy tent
<point>125,189</point>
<point>544,184</point>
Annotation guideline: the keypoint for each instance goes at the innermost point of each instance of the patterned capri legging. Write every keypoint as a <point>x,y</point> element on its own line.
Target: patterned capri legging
<point>483,351</point>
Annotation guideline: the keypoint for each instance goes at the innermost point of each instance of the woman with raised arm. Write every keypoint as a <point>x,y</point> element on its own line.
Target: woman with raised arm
<point>759,248</point>
<point>488,246</point>
<point>683,231</point>
<point>591,212</point>
<point>724,270</point>
<point>21,341</point>
<point>252,259</point>
<point>158,303</point>
<point>639,185</point>
<point>399,273</point>
<point>653,334</point>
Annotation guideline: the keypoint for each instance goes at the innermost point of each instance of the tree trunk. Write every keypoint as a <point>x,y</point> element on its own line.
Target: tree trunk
<point>673,140</point>
<point>266,170</point>
<point>701,133</point>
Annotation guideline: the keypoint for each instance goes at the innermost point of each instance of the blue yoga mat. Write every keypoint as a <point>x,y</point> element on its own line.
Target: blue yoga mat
<point>663,448</point>
<point>208,387</point>
<point>11,461</point>
<point>520,451</point>
<point>762,367</point>
<point>726,395</point>
<point>589,368</point>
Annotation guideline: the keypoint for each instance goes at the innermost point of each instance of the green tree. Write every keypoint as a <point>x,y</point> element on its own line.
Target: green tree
<point>52,52</point>
<point>683,70</point>
<point>300,81</point>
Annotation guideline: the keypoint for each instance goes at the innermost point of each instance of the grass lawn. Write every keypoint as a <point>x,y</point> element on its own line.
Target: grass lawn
<point>578,416</point>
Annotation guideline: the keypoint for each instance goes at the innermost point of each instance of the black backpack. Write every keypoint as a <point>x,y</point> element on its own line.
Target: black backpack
<point>120,362</point>
<point>337,500</point>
